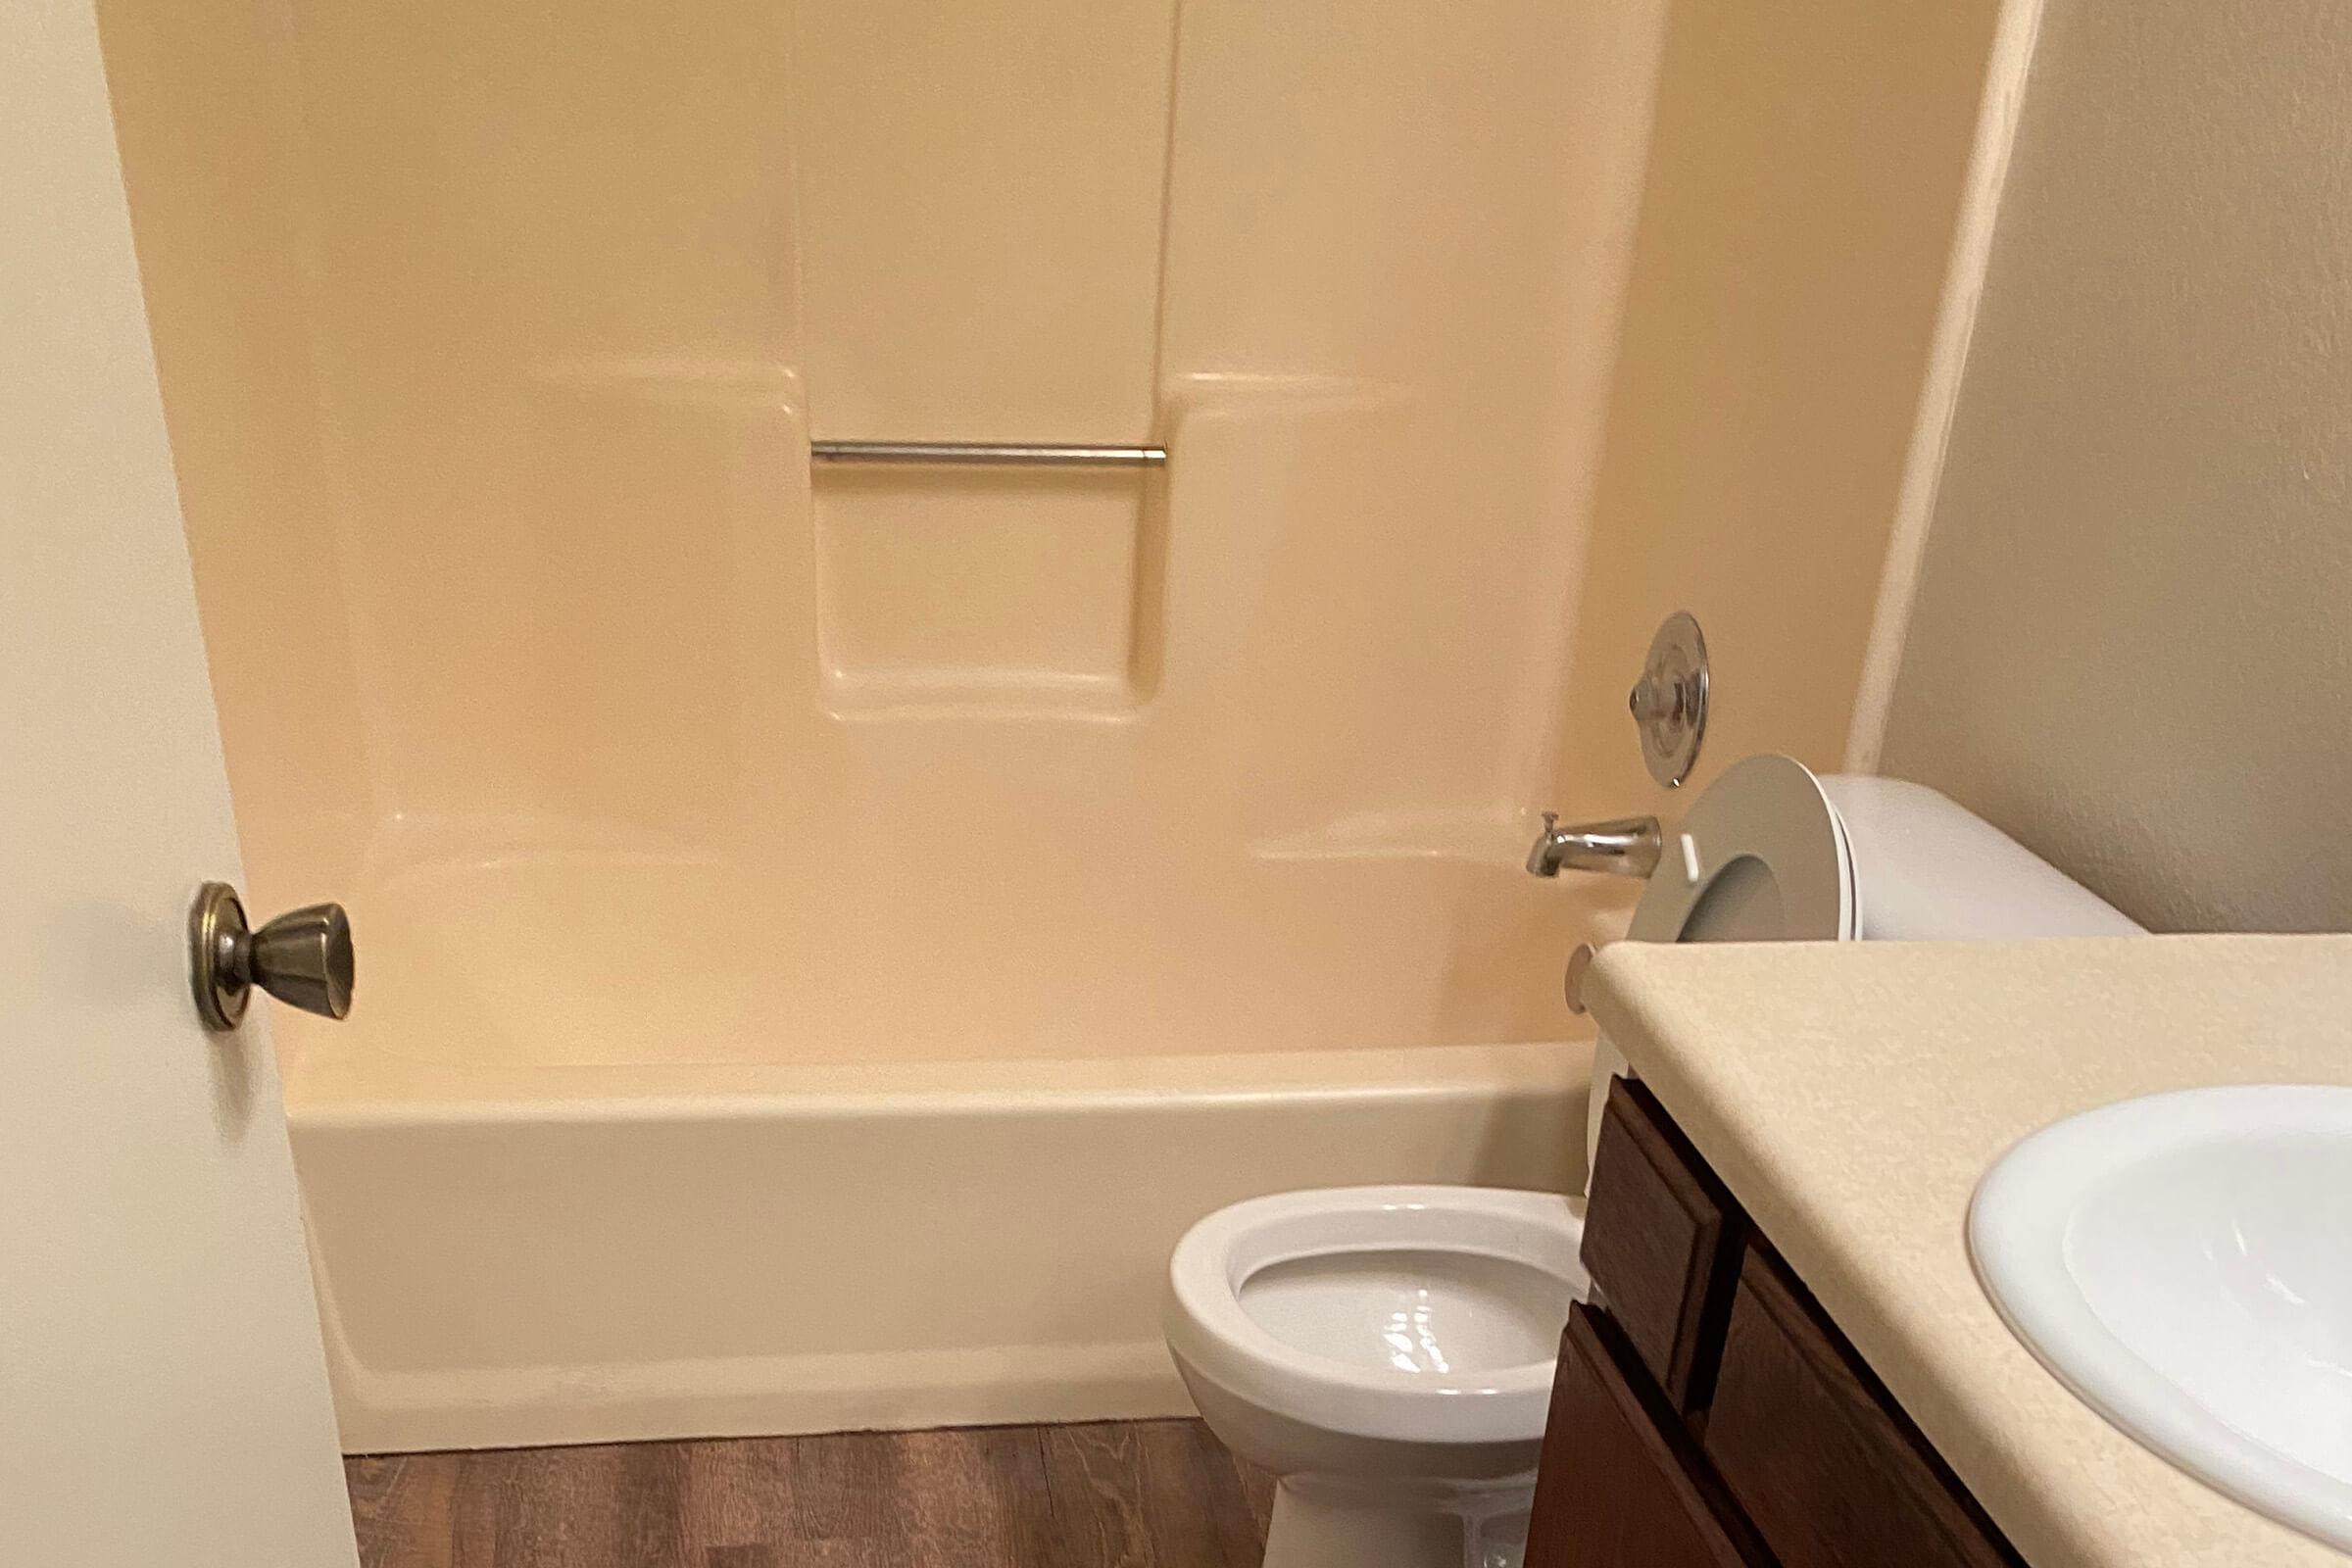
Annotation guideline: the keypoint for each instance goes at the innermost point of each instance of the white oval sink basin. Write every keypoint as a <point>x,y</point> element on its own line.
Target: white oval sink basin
<point>2184,1263</point>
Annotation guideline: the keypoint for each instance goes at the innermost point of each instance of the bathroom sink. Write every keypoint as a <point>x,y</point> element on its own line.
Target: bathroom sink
<point>2184,1263</point>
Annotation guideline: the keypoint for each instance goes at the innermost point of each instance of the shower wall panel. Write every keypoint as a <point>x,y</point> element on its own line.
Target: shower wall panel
<point>980,201</point>
<point>1239,755</point>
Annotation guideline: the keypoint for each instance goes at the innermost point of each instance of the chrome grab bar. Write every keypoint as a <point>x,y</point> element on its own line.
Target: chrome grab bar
<point>1000,454</point>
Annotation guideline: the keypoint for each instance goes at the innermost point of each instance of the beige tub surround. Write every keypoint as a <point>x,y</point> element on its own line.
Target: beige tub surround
<point>1425,319</point>
<point>1231,754</point>
<point>1806,172</point>
<point>1851,1095</point>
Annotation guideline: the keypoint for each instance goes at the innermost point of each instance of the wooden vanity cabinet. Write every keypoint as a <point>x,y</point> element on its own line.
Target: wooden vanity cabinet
<point>1708,1412</point>
<point>1622,1481</point>
<point>1818,1454</point>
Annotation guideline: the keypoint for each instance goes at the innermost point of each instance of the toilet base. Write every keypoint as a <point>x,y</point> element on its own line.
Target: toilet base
<point>1320,1522</point>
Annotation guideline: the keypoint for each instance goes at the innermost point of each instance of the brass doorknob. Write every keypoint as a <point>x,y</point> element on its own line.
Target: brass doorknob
<point>303,957</point>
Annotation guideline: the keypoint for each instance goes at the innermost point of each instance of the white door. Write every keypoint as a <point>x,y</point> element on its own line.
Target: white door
<point>163,1395</point>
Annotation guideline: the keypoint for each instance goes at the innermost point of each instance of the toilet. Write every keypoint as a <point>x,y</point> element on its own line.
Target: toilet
<point>1387,1351</point>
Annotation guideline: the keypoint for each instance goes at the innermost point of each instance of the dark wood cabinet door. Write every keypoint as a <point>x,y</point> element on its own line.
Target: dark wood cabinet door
<point>1662,1241</point>
<point>1818,1455</point>
<point>1622,1485</point>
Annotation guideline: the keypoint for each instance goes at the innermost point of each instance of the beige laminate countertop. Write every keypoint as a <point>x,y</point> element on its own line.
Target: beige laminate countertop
<point>1852,1094</point>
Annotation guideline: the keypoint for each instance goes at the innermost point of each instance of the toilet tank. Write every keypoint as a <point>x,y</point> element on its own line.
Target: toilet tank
<point>1926,869</point>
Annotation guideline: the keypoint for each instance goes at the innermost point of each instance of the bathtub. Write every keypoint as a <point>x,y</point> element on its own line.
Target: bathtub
<point>554,1254</point>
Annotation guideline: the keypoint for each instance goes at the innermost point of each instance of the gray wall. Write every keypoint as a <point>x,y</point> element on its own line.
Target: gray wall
<point>2133,640</point>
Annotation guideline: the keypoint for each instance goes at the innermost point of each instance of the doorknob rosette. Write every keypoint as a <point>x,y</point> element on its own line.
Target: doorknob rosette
<point>303,957</point>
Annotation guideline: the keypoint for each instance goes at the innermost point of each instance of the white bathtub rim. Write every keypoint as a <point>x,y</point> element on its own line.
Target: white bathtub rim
<point>329,1090</point>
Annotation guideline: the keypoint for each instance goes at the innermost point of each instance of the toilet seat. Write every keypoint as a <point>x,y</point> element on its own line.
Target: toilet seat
<point>1766,812</point>
<point>1212,1330</point>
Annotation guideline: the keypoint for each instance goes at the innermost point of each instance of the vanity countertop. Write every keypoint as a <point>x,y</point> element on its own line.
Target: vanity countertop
<point>1851,1095</point>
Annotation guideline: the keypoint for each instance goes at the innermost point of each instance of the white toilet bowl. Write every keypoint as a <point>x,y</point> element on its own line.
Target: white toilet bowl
<point>1387,1351</point>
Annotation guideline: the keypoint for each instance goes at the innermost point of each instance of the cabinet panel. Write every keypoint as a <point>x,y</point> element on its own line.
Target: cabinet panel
<point>1818,1454</point>
<point>1661,1240</point>
<point>1622,1485</point>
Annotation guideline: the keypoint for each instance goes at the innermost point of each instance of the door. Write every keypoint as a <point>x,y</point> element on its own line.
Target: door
<point>162,1393</point>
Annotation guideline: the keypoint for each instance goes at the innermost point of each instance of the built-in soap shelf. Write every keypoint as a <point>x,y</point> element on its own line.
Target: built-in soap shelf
<point>983,589</point>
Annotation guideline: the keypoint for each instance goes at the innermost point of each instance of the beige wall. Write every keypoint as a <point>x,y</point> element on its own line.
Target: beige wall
<point>2132,645</point>
<point>1806,171</point>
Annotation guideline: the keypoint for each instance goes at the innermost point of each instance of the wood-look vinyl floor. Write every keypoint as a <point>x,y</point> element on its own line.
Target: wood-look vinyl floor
<point>1117,1494</point>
